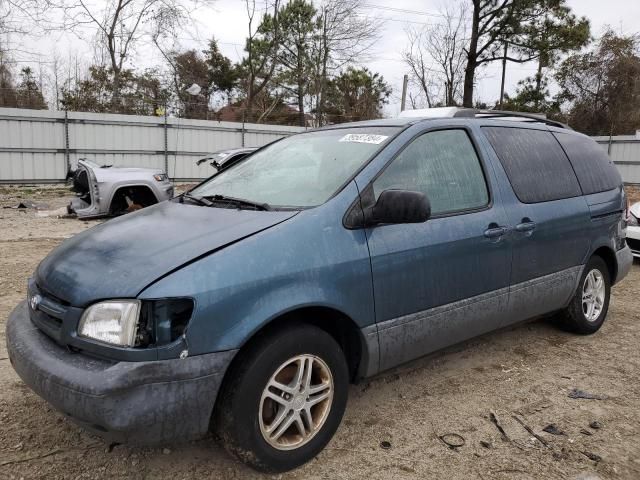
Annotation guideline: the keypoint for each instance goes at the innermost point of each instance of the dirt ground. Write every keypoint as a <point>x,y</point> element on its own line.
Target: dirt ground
<point>524,373</point>
<point>633,192</point>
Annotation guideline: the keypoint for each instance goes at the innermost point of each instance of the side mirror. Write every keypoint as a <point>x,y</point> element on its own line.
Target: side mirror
<point>399,206</point>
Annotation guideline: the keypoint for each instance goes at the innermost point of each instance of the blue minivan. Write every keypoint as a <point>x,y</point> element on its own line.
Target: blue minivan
<point>248,304</point>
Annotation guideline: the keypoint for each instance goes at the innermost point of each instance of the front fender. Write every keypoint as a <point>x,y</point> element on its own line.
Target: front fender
<point>110,189</point>
<point>311,260</point>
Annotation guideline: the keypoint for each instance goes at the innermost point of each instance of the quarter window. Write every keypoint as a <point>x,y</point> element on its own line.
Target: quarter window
<point>444,166</point>
<point>595,170</point>
<point>537,168</point>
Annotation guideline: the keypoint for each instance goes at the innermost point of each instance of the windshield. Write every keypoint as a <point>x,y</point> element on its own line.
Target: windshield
<point>303,170</point>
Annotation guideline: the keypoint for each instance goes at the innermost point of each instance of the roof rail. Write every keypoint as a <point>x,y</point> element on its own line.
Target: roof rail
<point>529,117</point>
<point>459,112</point>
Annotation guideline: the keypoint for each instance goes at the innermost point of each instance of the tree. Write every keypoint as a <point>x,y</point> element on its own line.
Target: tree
<point>557,33</point>
<point>28,92</point>
<point>210,70</point>
<point>296,49</point>
<point>297,30</point>
<point>345,33</point>
<point>518,25</point>
<point>223,75</point>
<point>356,94</point>
<point>533,96</point>
<point>443,43</point>
<point>8,94</point>
<point>140,94</point>
<point>191,68</point>
<point>261,46</point>
<point>602,86</point>
<point>22,17</point>
<point>121,24</point>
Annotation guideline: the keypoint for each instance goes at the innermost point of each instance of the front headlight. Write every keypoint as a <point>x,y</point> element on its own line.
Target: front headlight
<point>113,321</point>
<point>161,177</point>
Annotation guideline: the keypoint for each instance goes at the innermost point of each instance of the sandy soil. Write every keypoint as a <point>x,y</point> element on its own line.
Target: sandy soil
<point>525,373</point>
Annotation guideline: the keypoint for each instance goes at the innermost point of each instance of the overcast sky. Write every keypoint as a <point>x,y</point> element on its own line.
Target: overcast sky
<point>227,21</point>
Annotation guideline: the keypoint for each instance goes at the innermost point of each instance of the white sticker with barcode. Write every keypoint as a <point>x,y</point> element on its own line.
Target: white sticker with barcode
<point>364,138</point>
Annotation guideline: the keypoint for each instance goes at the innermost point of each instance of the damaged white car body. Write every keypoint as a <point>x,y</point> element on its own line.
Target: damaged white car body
<point>106,190</point>
<point>633,229</point>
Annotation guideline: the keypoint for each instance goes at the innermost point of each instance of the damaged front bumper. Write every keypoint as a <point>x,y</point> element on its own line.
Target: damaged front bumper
<point>126,402</point>
<point>83,209</point>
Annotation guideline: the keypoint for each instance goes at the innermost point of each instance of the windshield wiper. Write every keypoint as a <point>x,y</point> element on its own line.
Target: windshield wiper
<point>239,202</point>
<point>200,200</point>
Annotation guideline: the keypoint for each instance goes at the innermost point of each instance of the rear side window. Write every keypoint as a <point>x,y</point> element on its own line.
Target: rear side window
<point>595,170</point>
<point>537,168</point>
<point>443,165</point>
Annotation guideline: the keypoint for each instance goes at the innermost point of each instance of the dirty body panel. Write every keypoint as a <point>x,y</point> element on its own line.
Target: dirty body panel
<point>131,252</point>
<point>135,402</point>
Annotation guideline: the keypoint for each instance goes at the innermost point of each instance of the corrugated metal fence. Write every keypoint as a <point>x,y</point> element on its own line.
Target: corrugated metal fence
<point>625,153</point>
<point>37,145</point>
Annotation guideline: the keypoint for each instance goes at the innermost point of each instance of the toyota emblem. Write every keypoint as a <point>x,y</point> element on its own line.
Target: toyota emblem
<point>34,301</point>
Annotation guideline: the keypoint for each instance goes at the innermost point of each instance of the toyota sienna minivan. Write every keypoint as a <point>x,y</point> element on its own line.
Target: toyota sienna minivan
<point>246,305</point>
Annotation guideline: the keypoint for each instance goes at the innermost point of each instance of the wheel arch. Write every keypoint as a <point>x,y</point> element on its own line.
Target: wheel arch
<point>336,323</point>
<point>609,257</point>
<point>138,185</point>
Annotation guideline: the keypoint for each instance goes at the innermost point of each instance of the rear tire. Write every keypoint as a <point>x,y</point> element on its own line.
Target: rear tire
<point>588,309</point>
<point>275,381</point>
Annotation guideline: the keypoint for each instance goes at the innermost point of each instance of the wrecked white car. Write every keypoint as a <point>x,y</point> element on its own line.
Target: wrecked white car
<point>222,159</point>
<point>109,191</point>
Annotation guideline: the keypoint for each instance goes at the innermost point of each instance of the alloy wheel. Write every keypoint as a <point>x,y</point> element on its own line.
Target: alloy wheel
<point>296,402</point>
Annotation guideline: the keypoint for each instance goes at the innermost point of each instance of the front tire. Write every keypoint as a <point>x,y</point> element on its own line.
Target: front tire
<point>283,399</point>
<point>588,309</point>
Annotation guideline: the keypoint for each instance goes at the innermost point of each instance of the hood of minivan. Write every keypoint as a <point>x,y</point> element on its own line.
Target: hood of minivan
<point>121,257</point>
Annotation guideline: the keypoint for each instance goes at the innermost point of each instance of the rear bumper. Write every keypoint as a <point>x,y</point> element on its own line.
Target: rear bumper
<point>624,258</point>
<point>134,402</point>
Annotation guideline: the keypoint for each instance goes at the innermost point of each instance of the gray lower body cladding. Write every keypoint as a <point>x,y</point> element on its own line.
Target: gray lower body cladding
<point>135,402</point>
<point>411,336</point>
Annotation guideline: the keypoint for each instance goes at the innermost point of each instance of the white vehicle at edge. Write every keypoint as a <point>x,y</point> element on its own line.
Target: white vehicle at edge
<point>633,229</point>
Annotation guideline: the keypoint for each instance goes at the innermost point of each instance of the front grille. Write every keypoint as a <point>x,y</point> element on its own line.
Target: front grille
<point>634,244</point>
<point>48,314</point>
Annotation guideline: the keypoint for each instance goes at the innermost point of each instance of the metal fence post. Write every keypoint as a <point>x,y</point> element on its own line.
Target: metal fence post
<point>66,140</point>
<point>166,144</point>
<point>242,129</point>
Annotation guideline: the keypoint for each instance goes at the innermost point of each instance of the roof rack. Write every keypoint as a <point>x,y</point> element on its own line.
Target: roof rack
<point>527,117</point>
<point>458,112</point>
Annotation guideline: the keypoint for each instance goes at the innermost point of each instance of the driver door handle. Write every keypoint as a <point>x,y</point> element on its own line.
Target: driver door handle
<point>526,226</point>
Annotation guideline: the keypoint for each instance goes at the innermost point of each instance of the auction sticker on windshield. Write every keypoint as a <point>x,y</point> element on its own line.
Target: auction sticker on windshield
<point>364,138</point>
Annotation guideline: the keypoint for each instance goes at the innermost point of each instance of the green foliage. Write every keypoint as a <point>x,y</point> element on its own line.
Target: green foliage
<point>298,28</point>
<point>533,97</point>
<point>601,87</point>
<point>547,29</point>
<point>356,94</point>
<point>26,94</point>
<point>222,74</point>
<point>191,68</point>
<point>211,71</point>
<point>531,29</point>
<point>140,94</point>
<point>8,97</point>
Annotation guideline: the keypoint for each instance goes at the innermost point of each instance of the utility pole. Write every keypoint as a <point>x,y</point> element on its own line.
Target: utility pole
<point>504,70</point>
<point>403,102</point>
